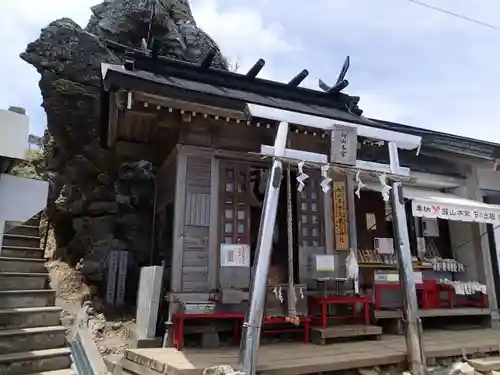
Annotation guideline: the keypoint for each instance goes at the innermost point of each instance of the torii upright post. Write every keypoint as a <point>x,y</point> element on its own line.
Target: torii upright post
<point>416,357</point>
<point>252,327</point>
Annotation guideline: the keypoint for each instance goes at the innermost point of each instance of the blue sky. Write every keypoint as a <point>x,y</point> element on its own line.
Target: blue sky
<point>409,64</point>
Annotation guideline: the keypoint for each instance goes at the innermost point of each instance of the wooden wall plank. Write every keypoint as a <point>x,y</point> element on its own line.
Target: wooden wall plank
<point>196,223</point>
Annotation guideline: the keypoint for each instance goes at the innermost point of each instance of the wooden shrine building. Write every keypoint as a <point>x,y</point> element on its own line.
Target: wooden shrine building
<point>208,132</point>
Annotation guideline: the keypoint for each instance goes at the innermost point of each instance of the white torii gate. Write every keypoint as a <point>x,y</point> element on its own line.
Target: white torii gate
<point>252,326</point>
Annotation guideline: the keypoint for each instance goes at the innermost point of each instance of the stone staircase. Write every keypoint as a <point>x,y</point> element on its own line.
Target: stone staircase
<point>32,339</point>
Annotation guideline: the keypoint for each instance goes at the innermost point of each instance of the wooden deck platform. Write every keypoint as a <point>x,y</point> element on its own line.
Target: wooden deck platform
<point>321,336</point>
<point>301,359</point>
<point>462,311</point>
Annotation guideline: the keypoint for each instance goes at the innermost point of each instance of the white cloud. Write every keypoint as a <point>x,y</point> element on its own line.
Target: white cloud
<point>409,64</point>
<point>20,23</point>
<point>241,33</point>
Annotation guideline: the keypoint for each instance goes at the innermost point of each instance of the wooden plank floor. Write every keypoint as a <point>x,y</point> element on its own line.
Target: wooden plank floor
<point>299,359</point>
<point>462,311</point>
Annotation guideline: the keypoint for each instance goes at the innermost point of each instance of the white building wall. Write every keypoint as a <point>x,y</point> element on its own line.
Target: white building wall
<point>20,199</point>
<point>14,134</point>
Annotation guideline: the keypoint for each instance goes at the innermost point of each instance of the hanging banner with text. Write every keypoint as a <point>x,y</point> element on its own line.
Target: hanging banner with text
<point>480,214</point>
<point>340,216</point>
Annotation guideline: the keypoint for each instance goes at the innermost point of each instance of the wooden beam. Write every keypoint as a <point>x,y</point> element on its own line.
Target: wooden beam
<point>189,106</point>
<point>114,115</point>
<point>135,150</point>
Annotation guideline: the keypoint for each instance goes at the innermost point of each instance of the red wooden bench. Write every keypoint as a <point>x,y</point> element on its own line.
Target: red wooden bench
<point>178,323</point>
<point>365,301</point>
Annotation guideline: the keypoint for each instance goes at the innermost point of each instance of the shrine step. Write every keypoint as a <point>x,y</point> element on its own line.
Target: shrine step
<point>319,336</point>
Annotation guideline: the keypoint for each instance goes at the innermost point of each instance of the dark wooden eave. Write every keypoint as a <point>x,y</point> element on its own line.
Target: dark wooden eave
<point>228,93</point>
<point>454,144</point>
<point>223,89</point>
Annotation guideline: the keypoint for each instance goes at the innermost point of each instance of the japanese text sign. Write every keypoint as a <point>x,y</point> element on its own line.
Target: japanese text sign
<point>344,145</point>
<point>340,216</point>
<point>457,213</point>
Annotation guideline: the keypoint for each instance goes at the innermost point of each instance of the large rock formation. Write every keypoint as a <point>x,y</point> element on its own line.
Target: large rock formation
<point>96,206</point>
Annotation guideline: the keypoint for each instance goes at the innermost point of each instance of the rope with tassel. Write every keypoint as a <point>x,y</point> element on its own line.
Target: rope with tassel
<point>292,311</point>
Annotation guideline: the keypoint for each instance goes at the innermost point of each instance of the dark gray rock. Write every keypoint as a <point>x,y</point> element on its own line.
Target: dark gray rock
<point>95,205</point>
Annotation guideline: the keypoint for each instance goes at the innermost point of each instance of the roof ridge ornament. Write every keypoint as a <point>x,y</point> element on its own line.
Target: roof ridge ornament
<point>341,83</point>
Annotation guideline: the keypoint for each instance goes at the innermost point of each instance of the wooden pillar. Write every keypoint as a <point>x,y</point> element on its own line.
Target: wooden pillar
<point>329,228</point>
<point>179,218</point>
<point>213,236</point>
<point>351,206</point>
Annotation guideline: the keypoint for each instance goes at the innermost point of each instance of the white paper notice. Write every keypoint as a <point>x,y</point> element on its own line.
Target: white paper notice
<point>234,255</point>
<point>430,227</point>
<point>371,221</point>
<point>383,245</point>
<point>325,263</point>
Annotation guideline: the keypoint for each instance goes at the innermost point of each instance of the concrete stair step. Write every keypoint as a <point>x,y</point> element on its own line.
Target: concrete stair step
<point>27,265</point>
<point>34,338</point>
<point>67,371</point>
<point>27,317</point>
<point>35,220</point>
<point>35,361</point>
<point>23,280</point>
<point>20,240</point>
<point>22,229</point>
<point>10,299</point>
<point>22,252</point>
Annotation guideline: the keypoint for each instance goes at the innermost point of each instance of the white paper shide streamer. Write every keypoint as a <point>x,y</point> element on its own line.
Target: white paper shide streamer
<point>325,183</point>
<point>385,188</point>
<point>360,183</point>
<point>352,268</point>
<point>301,177</point>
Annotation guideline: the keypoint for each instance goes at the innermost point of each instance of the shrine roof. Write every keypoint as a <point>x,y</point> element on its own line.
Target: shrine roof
<point>203,85</point>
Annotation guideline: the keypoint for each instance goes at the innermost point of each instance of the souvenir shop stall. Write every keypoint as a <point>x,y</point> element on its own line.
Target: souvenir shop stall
<point>445,258</point>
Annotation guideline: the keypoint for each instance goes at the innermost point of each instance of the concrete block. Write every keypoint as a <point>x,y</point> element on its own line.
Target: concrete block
<point>485,364</point>
<point>148,301</point>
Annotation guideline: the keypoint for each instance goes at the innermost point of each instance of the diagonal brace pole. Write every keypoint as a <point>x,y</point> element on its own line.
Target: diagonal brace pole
<point>252,327</point>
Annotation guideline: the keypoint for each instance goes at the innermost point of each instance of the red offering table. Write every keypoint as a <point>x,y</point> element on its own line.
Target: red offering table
<point>340,300</point>
<point>304,326</point>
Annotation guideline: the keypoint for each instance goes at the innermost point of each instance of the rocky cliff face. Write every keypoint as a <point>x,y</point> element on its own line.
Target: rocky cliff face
<point>93,209</point>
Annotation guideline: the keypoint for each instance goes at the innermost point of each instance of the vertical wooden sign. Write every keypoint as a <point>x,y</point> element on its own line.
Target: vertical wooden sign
<point>340,216</point>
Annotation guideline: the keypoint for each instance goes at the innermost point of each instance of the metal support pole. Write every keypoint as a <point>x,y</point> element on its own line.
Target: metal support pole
<point>416,357</point>
<point>2,229</point>
<point>251,329</point>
